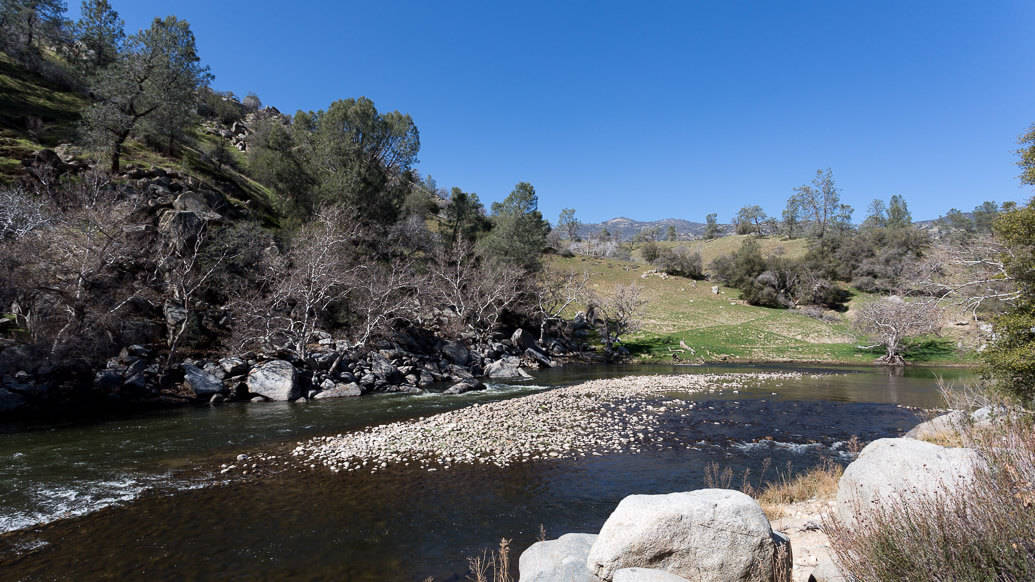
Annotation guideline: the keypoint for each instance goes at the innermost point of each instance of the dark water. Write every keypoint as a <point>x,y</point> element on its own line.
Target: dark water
<point>151,504</point>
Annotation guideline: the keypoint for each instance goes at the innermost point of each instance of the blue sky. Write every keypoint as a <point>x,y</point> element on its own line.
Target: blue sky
<point>655,109</point>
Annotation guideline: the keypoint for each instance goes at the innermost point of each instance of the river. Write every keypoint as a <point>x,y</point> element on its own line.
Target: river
<point>143,497</point>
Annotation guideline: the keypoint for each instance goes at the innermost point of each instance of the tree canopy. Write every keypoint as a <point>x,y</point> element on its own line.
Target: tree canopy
<point>157,75</point>
<point>99,34</point>
<point>1010,359</point>
<point>819,203</point>
<point>519,232</point>
<point>361,158</point>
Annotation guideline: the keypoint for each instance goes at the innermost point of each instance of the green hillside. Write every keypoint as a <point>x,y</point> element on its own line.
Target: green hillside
<point>723,327</point>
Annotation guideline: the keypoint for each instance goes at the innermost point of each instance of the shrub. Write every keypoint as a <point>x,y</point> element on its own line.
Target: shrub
<point>650,251</point>
<point>681,262</point>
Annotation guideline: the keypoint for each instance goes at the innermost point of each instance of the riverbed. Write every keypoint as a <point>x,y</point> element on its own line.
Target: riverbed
<point>147,496</point>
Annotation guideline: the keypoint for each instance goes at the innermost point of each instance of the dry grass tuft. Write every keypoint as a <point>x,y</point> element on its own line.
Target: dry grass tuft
<point>818,483</point>
<point>491,566</point>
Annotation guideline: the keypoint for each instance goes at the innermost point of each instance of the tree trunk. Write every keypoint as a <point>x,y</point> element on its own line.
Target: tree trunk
<point>116,154</point>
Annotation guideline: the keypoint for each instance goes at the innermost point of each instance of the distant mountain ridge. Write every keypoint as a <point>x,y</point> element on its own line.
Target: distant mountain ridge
<point>623,228</point>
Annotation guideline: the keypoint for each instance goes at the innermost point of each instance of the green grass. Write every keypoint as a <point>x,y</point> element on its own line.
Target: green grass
<point>723,327</point>
<point>25,95</point>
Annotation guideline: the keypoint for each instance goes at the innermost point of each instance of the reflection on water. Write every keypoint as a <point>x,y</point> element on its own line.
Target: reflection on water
<point>396,525</point>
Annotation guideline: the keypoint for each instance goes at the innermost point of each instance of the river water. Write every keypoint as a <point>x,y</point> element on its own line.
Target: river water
<point>143,497</point>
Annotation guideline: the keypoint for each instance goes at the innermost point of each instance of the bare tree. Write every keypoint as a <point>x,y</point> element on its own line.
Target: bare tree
<point>555,292</point>
<point>300,285</point>
<point>384,293</point>
<point>21,213</point>
<point>970,273</point>
<point>619,313</point>
<point>478,291</point>
<point>890,320</point>
<point>186,272</point>
<point>82,272</point>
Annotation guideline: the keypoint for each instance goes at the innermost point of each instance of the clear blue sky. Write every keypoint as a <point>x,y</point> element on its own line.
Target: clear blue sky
<point>651,110</point>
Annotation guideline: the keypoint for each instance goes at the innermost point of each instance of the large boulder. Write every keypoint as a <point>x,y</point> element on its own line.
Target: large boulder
<point>275,380</point>
<point>946,425</point>
<point>646,575</point>
<point>901,470</point>
<point>203,384</point>
<point>707,535</point>
<point>506,367</point>
<point>559,560</point>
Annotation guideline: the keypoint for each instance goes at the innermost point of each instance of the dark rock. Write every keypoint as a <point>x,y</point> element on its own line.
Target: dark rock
<point>201,382</point>
<point>458,373</point>
<point>10,401</point>
<point>385,371</point>
<point>323,360</point>
<point>136,351</point>
<point>540,357</point>
<point>426,379</point>
<point>107,380</point>
<point>522,339</point>
<point>457,353</point>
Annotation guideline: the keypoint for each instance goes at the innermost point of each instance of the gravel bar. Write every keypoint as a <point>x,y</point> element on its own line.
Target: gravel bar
<point>593,418</point>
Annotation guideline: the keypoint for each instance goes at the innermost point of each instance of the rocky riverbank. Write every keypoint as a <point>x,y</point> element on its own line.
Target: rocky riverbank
<point>593,418</point>
<point>412,362</point>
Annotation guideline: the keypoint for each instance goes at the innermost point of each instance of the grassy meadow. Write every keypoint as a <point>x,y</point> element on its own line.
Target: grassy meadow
<point>722,327</point>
